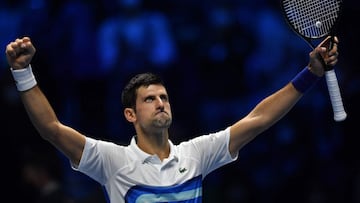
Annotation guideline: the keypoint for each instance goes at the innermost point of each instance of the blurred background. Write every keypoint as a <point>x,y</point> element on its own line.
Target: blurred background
<point>218,59</point>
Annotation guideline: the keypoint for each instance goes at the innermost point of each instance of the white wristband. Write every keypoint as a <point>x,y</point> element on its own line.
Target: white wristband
<point>24,78</point>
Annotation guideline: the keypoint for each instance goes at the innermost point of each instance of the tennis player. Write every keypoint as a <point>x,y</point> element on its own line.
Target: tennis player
<point>151,168</point>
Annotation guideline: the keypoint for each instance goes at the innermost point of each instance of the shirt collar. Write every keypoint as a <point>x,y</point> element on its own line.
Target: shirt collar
<point>145,157</point>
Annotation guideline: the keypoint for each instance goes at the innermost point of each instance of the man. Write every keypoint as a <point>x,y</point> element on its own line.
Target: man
<point>151,168</point>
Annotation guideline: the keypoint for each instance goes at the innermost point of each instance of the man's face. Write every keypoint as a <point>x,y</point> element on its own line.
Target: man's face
<point>153,107</point>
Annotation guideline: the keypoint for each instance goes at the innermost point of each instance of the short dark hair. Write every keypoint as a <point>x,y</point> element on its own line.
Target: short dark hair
<point>129,93</point>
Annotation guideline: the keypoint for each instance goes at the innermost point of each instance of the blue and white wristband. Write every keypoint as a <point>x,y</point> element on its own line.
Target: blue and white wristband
<point>24,78</point>
<point>304,80</point>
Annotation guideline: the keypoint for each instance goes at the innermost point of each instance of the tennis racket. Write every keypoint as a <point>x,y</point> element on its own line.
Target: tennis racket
<point>314,20</point>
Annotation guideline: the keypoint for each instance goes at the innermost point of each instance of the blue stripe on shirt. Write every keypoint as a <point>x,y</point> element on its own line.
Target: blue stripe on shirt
<point>187,192</point>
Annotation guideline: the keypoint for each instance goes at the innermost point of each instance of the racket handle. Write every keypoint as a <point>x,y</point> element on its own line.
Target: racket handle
<point>335,96</point>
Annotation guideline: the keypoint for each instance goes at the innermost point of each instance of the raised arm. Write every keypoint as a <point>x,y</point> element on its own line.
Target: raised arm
<point>19,54</point>
<point>275,106</point>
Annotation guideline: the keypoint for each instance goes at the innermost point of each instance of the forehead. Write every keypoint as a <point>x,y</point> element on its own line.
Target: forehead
<point>154,89</point>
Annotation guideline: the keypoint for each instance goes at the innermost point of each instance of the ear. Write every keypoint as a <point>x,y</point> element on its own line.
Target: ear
<point>129,114</point>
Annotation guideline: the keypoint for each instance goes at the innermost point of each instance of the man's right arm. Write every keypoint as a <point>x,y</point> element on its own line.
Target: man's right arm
<point>69,141</point>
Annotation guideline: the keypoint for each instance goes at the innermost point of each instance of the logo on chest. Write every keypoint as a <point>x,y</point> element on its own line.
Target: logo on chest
<point>182,169</point>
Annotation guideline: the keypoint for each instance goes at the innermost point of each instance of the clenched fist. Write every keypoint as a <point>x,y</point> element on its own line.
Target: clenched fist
<point>20,52</point>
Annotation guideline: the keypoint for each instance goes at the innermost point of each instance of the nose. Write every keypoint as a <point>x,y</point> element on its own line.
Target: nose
<point>160,103</point>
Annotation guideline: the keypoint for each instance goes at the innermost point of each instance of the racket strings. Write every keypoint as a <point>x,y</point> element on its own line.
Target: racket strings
<point>312,19</point>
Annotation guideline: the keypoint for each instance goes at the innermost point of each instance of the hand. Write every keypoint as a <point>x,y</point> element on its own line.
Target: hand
<point>20,52</point>
<point>321,55</point>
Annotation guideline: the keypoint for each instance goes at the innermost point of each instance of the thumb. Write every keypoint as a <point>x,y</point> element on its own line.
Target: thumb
<point>318,52</point>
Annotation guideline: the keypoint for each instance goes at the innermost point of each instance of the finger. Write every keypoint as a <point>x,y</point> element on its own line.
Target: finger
<point>332,62</point>
<point>22,43</point>
<point>26,39</point>
<point>13,48</point>
<point>9,50</point>
<point>25,42</point>
<point>26,45</point>
<point>334,44</point>
<point>334,50</point>
<point>317,51</point>
<point>331,59</point>
<point>17,42</point>
<point>320,52</point>
<point>333,54</point>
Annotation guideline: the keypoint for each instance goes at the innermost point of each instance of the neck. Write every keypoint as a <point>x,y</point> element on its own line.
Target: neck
<point>155,143</point>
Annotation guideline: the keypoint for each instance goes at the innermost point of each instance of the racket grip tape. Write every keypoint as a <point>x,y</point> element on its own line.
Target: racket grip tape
<point>335,95</point>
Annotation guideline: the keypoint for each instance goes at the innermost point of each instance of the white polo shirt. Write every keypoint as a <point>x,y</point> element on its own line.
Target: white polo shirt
<point>131,175</point>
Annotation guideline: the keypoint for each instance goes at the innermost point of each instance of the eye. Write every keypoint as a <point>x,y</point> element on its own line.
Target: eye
<point>149,99</point>
<point>164,98</point>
